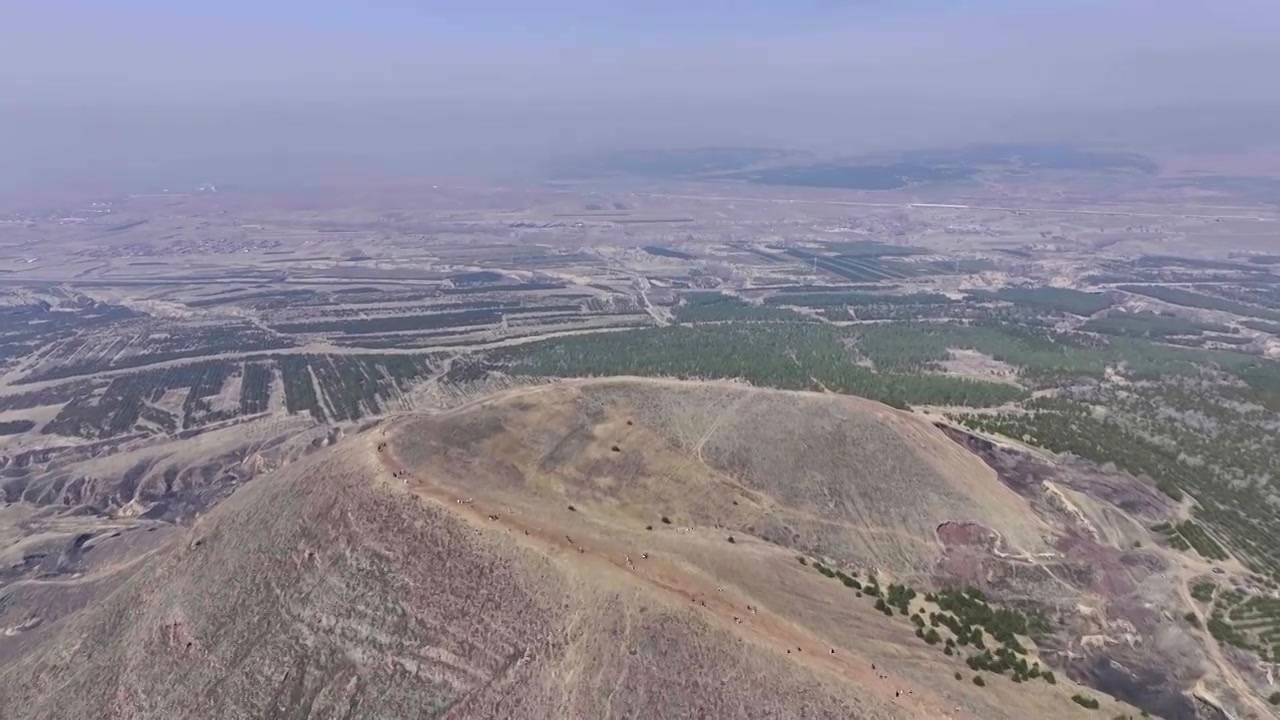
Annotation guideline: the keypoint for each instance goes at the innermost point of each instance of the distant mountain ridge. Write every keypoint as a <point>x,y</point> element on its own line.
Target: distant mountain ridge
<point>881,171</point>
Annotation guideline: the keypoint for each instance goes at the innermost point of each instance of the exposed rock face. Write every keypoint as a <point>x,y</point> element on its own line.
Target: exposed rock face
<point>1116,609</point>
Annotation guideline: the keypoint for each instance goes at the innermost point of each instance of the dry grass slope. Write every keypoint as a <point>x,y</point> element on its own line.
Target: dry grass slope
<point>434,568</point>
<point>824,474</point>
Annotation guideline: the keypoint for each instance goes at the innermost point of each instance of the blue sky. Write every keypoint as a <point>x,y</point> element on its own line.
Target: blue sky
<point>1113,52</point>
<point>609,19</point>
<point>244,49</point>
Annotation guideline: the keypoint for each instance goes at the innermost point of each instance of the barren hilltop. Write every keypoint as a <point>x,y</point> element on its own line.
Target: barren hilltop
<point>611,548</point>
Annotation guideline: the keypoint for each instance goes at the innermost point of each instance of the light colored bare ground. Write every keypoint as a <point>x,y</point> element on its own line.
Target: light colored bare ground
<point>329,588</point>
<point>20,442</point>
<point>669,573</point>
<point>172,400</point>
<point>276,403</point>
<point>795,609</point>
<point>977,366</point>
<point>808,459</point>
<point>434,564</point>
<point>228,397</point>
<point>38,415</point>
<point>11,518</point>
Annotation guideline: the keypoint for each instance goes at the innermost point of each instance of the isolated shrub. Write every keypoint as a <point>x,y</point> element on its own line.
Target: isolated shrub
<point>1203,591</point>
<point>1275,698</point>
<point>666,520</point>
<point>1085,701</point>
<point>977,680</point>
<point>731,539</point>
<point>959,676</point>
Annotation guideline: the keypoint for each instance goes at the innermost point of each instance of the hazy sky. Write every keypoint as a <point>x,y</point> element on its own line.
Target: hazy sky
<point>140,88</point>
